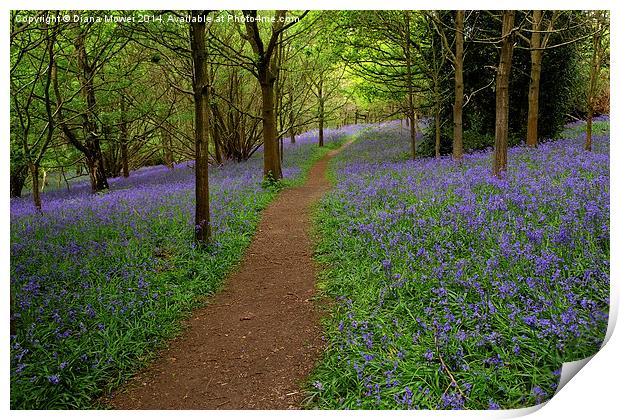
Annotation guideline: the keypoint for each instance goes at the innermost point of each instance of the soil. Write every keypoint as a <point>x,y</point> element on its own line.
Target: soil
<point>255,342</point>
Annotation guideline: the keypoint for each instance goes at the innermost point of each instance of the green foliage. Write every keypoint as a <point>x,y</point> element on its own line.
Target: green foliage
<point>272,183</point>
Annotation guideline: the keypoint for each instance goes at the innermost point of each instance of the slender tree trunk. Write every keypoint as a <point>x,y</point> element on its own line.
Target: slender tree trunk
<point>201,117</point>
<point>534,92</point>
<point>292,122</point>
<point>36,190</point>
<point>124,137</point>
<point>500,156</point>
<point>167,146</point>
<point>437,125</point>
<point>125,159</point>
<point>271,156</point>
<point>410,106</point>
<point>44,180</point>
<point>278,100</point>
<point>321,123</point>
<point>321,111</point>
<point>292,119</point>
<point>457,145</point>
<point>216,132</point>
<point>588,146</point>
<point>594,74</point>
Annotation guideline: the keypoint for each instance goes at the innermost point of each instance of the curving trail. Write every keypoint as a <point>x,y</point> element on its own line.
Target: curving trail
<point>256,341</point>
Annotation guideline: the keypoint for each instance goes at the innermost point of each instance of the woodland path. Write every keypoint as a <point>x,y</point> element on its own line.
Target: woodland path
<point>257,340</point>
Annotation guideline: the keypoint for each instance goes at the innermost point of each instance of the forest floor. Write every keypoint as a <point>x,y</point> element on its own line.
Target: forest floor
<point>256,341</point>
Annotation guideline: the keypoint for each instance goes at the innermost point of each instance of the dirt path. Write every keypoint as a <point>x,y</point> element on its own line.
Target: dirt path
<point>257,340</point>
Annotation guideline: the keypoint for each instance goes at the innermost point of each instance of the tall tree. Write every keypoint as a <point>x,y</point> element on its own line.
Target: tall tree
<point>500,154</point>
<point>201,126</point>
<point>456,57</point>
<point>599,22</point>
<point>408,50</point>
<point>457,146</point>
<point>31,74</point>
<point>323,75</point>
<point>94,45</point>
<point>537,42</point>
<point>266,72</point>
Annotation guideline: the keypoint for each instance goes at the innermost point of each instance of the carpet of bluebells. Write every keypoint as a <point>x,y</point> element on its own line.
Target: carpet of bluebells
<point>99,281</point>
<point>455,289</point>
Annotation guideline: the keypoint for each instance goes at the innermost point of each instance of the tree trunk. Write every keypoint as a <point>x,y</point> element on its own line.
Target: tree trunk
<point>44,180</point>
<point>124,137</point>
<point>500,156</point>
<point>271,156</point>
<point>536,57</point>
<point>594,74</point>
<point>17,179</point>
<point>321,125</point>
<point>216,131</point>
<point>97,176</point>
<point>437,126</point>
<point>292,122</point>
<point>94,158</point>
<point>321,112</point>
<point>201,117</point>
<point>410,107</point>
<point>167,145</point>
<point>457,145</point>
<point>267,72</point>
<point>36,191</point>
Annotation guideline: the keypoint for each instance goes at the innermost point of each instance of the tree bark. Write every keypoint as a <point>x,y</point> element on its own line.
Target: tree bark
<point>321,111</point>
<point>201,119</point>
<point>91,147</point>
<point>410,106</point>
<point>595,66</point>
<point>124,132</point>
<point>500,156</point>
<point>86,75</point>
<point>167,146</point>
<point>17,179</point>
<point>272,168</point>
<point>36,184</point>
<point>266,73</point>
<point>96,173</point>
<point>437,124</point>
<point>457,145</point>
<point>217,135</point>
<point>36,191</point>
<point>535,71</point>
<point>292,122</point>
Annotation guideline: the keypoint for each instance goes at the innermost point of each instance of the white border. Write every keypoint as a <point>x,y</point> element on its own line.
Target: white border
<point>592,394</point>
